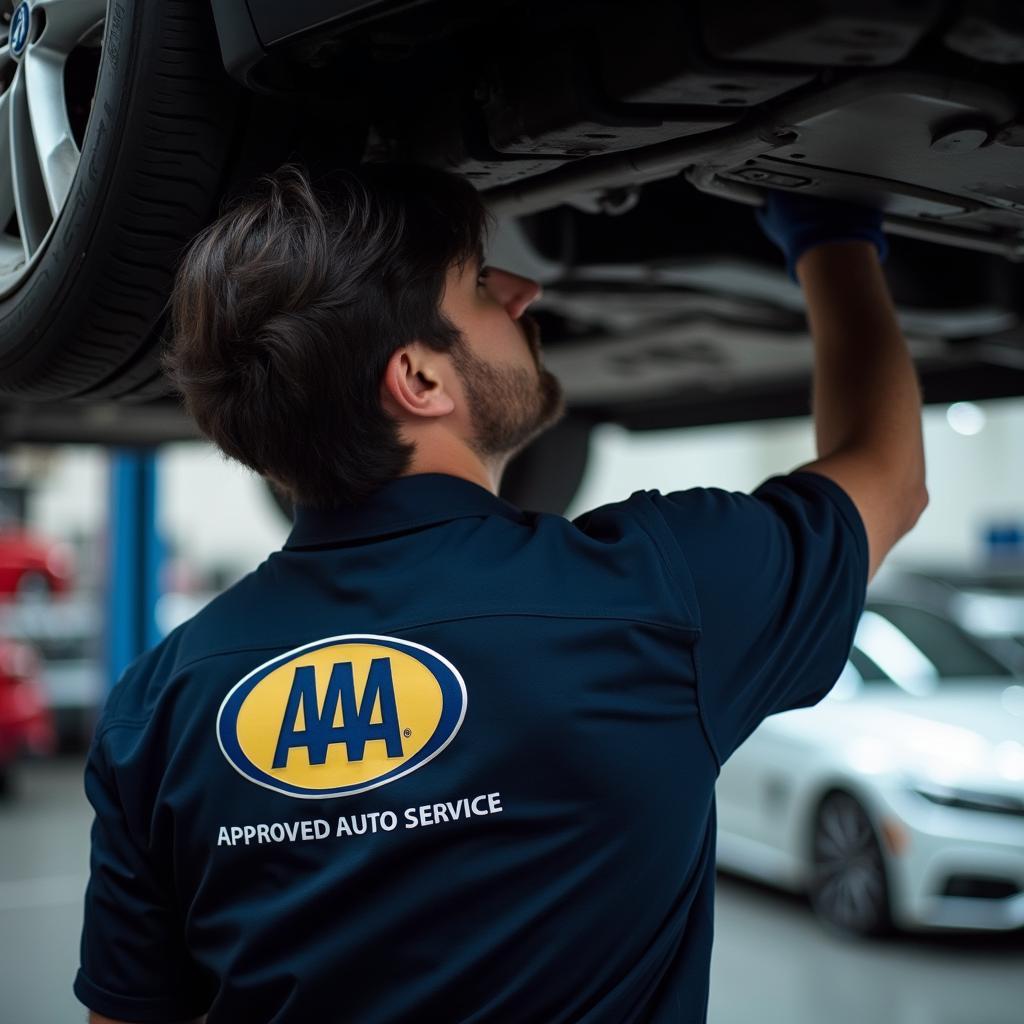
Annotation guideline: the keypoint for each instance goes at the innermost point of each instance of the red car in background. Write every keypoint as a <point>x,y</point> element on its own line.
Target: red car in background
<point>31,566</point>
<point>26,723</point>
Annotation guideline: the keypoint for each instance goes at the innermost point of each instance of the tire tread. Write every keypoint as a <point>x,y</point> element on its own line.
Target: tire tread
<point>169,166</point>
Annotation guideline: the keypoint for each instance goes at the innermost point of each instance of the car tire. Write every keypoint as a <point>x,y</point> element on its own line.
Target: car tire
<point>545,476</point>
<point>849,887</point>
<point>33,586</point>
<point>80,314</point>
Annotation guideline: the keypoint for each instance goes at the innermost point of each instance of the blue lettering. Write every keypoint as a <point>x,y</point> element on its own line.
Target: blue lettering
<point>320,732</point>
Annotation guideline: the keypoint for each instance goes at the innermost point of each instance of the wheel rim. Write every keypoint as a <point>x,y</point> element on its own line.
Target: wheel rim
<point>33,586</point>
<point>49,60</point>
<point>849,872</point>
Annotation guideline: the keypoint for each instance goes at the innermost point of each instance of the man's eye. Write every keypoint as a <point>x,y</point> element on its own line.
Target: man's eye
<point>481,276</point>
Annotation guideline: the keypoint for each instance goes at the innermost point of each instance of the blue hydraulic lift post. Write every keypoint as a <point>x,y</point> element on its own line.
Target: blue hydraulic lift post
<point>134,556</point>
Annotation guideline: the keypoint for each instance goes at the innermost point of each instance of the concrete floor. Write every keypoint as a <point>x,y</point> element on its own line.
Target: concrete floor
<point>772,963</point>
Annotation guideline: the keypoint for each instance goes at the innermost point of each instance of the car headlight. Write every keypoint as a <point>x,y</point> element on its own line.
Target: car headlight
<point>968,799</point>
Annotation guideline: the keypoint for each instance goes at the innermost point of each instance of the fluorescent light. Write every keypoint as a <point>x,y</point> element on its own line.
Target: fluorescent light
<point>966,418</point>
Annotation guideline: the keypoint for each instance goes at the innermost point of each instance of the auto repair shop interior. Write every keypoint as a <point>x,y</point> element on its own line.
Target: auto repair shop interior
<point>623,151</point>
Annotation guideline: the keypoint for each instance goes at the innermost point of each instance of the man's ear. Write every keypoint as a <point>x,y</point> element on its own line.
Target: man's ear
<point>414,381</point>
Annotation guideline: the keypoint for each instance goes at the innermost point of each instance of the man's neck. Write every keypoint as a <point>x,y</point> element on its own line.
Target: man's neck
<point>465,465</point>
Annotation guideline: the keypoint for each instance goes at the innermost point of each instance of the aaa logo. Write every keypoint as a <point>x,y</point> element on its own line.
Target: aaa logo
<point>341,715</point>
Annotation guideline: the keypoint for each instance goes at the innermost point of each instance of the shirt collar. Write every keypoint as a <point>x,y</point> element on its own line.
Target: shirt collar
<point>401,504</point>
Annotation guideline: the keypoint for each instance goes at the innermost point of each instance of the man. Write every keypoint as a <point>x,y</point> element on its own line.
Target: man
<point>440,758</point>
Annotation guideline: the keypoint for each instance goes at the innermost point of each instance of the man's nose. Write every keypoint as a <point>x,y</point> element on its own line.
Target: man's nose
<point>514,291</point>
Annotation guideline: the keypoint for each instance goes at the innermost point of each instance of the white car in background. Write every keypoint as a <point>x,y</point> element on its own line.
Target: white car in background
<point>898,800</point>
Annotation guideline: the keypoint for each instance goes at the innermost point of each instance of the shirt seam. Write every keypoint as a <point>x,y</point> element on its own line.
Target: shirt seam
<point>656,623</point>
<point>454,617</point>
<point>686,583</point>
<point>342,537</point>
<point>701,713</point>
<point>859,531</point>
<point>169,1006</point>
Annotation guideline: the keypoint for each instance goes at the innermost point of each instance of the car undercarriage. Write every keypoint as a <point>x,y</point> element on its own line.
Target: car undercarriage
<point>622,150</point>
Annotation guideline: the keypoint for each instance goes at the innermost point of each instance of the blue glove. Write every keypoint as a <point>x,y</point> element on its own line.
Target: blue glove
<point>797,223</point>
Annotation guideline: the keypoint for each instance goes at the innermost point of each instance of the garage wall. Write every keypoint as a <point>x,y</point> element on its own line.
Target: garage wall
<point>215,511</point>
<point>220,516</point>
<point>973,480</point>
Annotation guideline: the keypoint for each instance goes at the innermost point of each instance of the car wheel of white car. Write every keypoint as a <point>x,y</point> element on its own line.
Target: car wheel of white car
<point>848,887</point>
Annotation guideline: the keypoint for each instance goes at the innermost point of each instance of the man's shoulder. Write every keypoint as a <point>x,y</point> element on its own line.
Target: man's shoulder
<point>223,627</point>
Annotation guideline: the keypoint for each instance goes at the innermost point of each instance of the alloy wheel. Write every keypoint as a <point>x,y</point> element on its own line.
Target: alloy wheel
<point>848,878</point>
<point>49,61</point>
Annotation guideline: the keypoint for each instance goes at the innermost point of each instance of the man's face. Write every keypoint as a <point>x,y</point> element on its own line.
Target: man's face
<point>510,397</point>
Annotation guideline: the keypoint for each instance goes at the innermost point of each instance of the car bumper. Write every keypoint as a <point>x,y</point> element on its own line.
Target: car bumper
<point>951,868</point>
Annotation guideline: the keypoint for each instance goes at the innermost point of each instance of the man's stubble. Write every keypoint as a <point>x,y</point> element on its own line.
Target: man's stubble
<point>509,406</point>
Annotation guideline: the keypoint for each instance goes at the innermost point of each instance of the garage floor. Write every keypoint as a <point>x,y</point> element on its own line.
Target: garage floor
<point>772,962</point>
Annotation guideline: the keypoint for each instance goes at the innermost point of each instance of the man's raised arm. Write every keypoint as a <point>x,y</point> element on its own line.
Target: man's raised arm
<point>867,400</point>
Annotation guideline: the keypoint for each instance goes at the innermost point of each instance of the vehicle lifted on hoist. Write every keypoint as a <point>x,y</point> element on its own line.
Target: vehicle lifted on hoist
<point>620,145</point>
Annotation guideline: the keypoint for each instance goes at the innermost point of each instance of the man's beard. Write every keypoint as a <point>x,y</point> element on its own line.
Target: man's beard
<point>508,406</point>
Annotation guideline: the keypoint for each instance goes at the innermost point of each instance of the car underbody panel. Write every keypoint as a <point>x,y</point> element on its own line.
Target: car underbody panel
<point>622,148</point>
<point>911,105</point>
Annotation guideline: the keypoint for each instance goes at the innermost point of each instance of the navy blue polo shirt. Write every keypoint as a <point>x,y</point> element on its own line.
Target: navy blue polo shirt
<point>443,759</point>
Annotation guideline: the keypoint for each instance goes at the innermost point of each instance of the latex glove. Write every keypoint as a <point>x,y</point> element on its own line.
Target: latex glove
<point>796,223</point>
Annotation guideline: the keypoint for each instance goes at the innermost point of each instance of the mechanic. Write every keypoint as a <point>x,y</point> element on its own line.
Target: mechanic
<point>480,742</point>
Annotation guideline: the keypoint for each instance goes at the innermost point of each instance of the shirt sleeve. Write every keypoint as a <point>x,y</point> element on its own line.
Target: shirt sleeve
<point>134,965</point>
<point>779,577</point>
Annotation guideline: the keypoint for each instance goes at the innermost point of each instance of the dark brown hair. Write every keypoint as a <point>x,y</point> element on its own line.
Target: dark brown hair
<point>286,309</point>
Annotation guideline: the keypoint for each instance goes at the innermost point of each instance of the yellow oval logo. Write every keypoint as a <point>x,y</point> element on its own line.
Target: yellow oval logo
<point>341,715</point>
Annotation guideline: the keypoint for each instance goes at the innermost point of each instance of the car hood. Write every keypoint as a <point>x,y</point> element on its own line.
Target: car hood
<point>969,734</point>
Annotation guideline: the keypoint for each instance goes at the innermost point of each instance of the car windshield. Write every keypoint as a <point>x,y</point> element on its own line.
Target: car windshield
<point>914,649</point>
